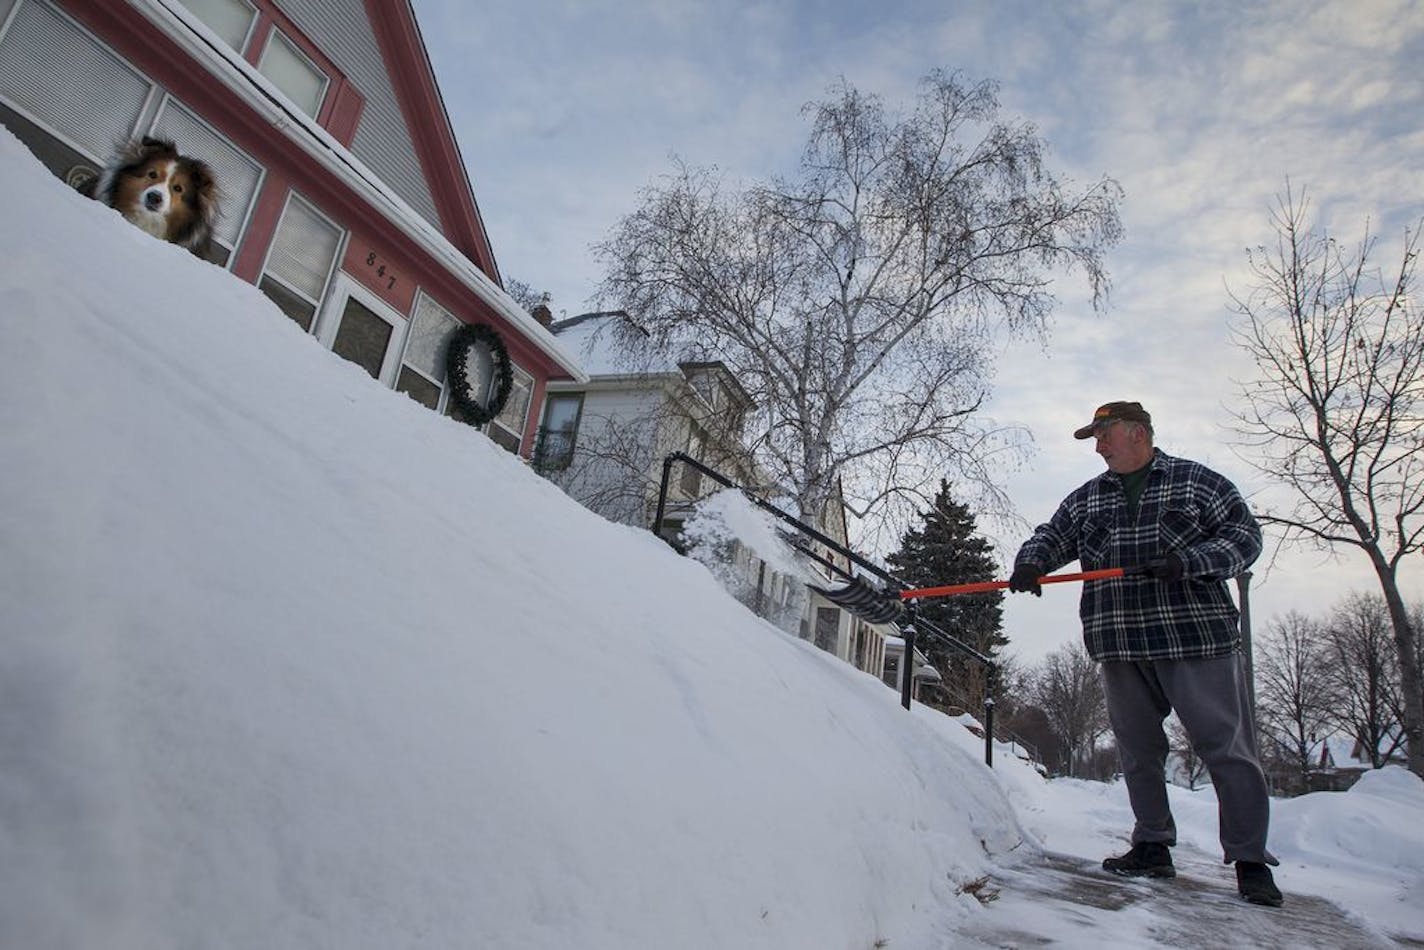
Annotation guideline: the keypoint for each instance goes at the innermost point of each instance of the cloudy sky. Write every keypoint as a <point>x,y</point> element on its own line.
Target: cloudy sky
<point>1201,111</point>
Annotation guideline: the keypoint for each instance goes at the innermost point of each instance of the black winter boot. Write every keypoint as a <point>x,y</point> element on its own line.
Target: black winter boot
<point>1146,859</point>
<point>1254,881</point>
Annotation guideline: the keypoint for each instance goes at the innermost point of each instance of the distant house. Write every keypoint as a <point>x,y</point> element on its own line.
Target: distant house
<point>604,442</point>
<point>1343,759</point>
<point>346,199</point>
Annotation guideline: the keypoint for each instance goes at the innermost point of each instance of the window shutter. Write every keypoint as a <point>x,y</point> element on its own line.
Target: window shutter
<point>65,80</point>
<point>238,176</point>
<point>303,249</point>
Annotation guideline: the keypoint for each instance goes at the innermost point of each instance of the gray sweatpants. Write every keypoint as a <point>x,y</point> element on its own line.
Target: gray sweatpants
<point>1213,703</point>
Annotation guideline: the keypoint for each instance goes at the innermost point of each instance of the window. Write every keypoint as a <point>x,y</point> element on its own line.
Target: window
<point>419,388</point>
<point>56,74</point>
<point>300,261</point>
<point>292,72</point>
<point>710,388</point>
<point>691,480</point>
<point>828,628</point>
<point>238,175</point>
<point>557,437</point>
<point>508,427</point>
<point>231,20</point>
<point>422,373</point>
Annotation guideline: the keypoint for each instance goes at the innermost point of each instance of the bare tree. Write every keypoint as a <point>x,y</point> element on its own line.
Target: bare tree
<point>857,301</point>
<point>1366,672</point>
<point>1192,765</point>
<point>611,466</point>
<point>1295,693</point>
<point>525,295</point>
<point>1068,688</point>
<point>1336,407</point>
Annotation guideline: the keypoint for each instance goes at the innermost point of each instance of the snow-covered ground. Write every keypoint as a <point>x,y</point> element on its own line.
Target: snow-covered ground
<point>287,660</point>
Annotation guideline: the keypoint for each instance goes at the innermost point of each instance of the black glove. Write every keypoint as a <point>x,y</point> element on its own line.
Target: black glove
<point>1167,568</point>
<point>1024,580</point>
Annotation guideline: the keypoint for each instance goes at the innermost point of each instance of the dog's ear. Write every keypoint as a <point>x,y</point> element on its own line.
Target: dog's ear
<point>132,152</point>
<point>151,146</point>
<point>206,193</point>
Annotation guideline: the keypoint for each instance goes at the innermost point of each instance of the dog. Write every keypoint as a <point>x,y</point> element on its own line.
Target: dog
<point>171,196</point>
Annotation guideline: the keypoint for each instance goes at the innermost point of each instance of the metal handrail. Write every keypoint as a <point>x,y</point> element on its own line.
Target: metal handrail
<point>911,619</point>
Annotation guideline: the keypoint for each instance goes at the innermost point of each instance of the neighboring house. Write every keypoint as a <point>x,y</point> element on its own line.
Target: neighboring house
<point>1343,759</point>
<point>346,199</point>
<point>604,441</point>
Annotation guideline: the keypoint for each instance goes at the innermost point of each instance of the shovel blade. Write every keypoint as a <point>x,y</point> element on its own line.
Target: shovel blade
<point>866,602</point>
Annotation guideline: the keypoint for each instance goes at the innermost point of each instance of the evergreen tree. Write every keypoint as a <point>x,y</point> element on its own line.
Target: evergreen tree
<point>946,549</point>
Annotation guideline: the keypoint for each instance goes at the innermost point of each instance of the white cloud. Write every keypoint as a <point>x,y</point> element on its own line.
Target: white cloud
<point>1201,111</point>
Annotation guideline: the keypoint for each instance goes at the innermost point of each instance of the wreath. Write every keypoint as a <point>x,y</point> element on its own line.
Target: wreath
<point>457,355</point>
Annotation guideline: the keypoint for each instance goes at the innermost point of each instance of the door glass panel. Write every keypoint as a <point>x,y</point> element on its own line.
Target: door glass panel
<point>362,337</point>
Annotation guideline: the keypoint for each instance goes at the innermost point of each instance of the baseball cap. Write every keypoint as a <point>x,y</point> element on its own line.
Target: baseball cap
<point>1114,412</point>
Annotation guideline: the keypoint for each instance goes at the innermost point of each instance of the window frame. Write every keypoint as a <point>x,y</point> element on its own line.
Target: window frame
<point>168,99</point>
<point>328,323</point>
<point>145,112</point>
<point>444,385</point>
<point>275,33</point>
<point>543,432</point>
<point>343,235</point>
<point>251,23</point>
<point>516,371</point>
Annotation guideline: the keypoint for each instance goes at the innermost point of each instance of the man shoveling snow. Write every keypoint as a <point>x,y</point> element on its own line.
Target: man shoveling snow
<point>1167,635</point>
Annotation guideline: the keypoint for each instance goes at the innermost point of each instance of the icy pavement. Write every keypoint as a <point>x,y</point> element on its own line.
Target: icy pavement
<point>1064,901</point>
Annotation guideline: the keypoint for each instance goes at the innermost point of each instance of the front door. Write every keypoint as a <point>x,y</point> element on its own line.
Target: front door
<point>358,326</point>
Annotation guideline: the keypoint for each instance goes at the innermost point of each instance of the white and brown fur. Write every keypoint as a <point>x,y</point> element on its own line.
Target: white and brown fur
<point>171,196</point>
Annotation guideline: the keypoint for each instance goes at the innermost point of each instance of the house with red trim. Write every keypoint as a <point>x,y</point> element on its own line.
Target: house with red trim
<point>346,200</point>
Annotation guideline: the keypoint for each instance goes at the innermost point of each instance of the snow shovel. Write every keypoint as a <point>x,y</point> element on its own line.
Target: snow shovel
<point>883,606</point>
<point>980,587</point>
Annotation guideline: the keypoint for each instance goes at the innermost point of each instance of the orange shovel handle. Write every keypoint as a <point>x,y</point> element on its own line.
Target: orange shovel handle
<point>980,587</point>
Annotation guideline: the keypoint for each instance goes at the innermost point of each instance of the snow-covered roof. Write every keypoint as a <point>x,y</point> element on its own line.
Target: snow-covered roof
<point>591,336</point>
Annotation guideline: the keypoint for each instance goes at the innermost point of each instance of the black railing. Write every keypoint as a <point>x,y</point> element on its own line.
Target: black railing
<point>910,623</point>
<point>553,450</point>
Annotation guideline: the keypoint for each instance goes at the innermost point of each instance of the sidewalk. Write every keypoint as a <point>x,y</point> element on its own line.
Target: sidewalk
<point>1065,901</point>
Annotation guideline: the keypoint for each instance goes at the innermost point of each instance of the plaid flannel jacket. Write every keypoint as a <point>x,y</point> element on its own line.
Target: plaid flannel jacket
<point>1185,508</point>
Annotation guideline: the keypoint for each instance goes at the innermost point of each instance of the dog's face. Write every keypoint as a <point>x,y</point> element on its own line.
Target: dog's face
<point>159,190</point>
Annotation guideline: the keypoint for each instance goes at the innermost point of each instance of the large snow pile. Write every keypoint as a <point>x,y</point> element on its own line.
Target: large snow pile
<point>290,661</point>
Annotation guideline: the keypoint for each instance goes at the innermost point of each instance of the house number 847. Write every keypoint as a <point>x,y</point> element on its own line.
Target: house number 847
<point>379,266</point>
